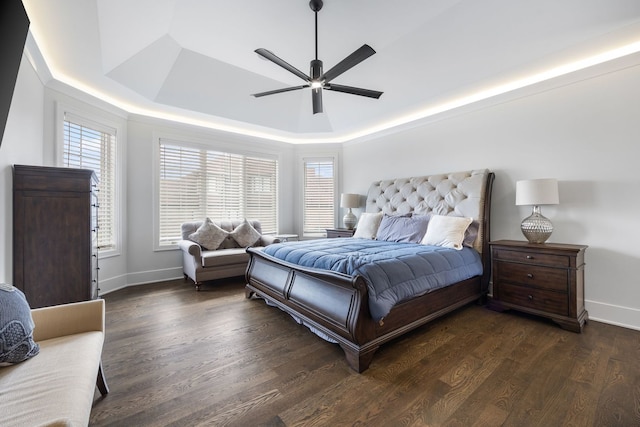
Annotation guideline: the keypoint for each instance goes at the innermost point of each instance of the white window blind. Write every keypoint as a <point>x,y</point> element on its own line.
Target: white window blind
<point>319,196</point>
<point>196,183</point>
<point>92,146</point>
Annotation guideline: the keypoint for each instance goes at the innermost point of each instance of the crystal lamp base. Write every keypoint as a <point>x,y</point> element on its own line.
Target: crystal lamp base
<point>350,220</point>
<point>536,228</point>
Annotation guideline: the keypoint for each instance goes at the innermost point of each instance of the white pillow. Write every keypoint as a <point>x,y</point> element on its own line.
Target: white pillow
<point>368,225</point>
<point>245,235</point>
<point>447,231</point>
<point>209,235</point>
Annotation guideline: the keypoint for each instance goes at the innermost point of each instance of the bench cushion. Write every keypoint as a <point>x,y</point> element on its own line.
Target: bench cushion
<point>224,257</point>
<point>56,386</point>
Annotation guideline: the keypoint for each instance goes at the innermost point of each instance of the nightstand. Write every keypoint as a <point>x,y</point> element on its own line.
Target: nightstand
<point>286,237</point>
<point>339,232</point>
<point>542,279</point>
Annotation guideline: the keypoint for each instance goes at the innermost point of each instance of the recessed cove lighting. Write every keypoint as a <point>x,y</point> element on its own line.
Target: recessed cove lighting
<point>493,91</point>
<point>158,111</point>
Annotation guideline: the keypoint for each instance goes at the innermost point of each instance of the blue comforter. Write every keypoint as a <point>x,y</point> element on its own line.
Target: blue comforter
<point>394,271</point>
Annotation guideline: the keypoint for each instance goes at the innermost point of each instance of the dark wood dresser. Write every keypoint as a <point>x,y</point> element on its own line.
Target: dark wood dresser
<point>55,258</point>
<point>542,279</point>
<point>339,232</point>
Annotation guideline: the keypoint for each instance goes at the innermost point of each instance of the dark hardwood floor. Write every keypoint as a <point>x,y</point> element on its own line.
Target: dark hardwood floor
<point>174,356</point>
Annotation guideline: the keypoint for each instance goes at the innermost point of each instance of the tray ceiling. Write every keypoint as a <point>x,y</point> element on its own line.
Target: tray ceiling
<point>194,60</point>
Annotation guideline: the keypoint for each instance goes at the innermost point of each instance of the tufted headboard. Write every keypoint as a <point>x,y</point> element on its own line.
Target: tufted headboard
<point>465,194</point>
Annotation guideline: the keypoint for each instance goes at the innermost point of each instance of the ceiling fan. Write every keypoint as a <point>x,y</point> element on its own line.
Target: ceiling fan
<point>317,80</point>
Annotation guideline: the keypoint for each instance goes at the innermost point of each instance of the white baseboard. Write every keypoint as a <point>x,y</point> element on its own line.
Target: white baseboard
<point>626,317</point>
<point>112,284</point>
<point>139,278</point>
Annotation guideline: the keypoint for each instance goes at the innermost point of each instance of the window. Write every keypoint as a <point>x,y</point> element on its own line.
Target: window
<point>88,145</point>
<point>319,196</point>
<point>196,183</point>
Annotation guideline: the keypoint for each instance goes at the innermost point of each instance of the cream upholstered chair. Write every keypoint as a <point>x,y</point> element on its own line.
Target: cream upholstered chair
<point>57,386</point>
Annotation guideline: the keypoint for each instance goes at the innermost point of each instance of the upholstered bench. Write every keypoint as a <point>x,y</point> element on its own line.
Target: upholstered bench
<point>56,386</point>
<point>215,250</point>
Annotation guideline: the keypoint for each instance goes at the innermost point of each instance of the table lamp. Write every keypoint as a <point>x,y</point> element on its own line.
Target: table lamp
<point>349,201</point>
<point>535,192</point>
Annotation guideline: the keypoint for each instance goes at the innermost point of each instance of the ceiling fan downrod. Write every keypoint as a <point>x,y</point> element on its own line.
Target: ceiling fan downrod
<point>315,72</point>
<point>316,6</point>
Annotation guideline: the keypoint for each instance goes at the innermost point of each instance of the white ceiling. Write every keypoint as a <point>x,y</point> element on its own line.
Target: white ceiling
<point>194,59</point>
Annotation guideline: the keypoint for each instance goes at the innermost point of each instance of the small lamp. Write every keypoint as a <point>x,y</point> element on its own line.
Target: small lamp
<point>350,201</point>
<point>536,228</point>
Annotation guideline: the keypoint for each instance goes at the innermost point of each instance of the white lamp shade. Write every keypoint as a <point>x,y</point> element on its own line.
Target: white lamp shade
<point>349,200</point>
<point>537,192</point>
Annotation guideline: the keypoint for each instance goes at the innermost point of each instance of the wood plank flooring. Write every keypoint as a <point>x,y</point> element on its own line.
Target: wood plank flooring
<point>177,357</point>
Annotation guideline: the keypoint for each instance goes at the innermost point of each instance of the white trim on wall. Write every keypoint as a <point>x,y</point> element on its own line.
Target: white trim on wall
<point>140,278</point>
<point>315,153</point>
<point>112,123</point>
<point>201,143</point>
<point>626,317</point>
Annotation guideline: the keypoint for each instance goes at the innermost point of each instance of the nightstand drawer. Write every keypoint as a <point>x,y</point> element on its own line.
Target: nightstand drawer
<point>532,258</point>
<point>339,232</point>
<point>537,299</point>
<point>530,275</point>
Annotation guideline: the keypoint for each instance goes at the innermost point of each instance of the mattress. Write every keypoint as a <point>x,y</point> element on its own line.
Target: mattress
<point>394,271</point>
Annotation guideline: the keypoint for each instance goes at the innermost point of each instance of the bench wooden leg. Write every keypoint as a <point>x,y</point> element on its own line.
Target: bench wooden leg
<point>101,382</point>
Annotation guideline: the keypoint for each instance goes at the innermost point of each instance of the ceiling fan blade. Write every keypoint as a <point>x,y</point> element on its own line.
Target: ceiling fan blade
<point>284,64</point>
<point>354,90</point>
<point>273,92</point>
<point>350,61</point>
<point>316,98</point>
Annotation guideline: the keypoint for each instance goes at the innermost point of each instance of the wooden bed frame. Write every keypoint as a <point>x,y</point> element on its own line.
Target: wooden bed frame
<point>336,305</point>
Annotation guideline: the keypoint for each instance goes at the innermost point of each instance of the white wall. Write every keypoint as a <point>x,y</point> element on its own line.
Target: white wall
<point>21,144</point>
<point>30,138</point>
<point>144,263</point>
<point>584,134</point>
<point>60,98</point>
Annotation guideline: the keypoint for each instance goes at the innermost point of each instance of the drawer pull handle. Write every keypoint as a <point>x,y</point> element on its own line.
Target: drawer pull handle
<point>530,276</point>
<point>530,297</point>
<point>529,257</point>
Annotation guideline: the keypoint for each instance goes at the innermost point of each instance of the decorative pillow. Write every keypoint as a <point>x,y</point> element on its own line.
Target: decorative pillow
<point>209,235</point>
<point>245,235</point>
<point>471,234</point>
<point>368,225</point>
<point>447,231</point>
<point>403,228</point>
<point>16,327</point>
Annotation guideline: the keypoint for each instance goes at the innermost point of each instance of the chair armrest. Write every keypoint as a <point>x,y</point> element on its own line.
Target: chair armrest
<point>268,240</point>
<point>68,319</point>
<point>190,247</point>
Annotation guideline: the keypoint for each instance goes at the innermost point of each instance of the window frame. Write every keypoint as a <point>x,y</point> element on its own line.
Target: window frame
<point>304,159</point>
<point>209,145</point>
<point>103,123</point>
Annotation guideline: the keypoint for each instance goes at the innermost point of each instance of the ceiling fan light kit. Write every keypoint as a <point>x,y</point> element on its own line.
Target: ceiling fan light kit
<point>317,80</point>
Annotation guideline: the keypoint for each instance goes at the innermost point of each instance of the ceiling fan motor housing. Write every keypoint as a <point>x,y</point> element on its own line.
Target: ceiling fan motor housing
<point>316,70</point>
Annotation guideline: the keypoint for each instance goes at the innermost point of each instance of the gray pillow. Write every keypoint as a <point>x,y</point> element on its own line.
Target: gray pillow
<point>471,234</point>
<point>209,235</point>
<point>245,235</point>
<point>403,228</point>
<point>16,327</point>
